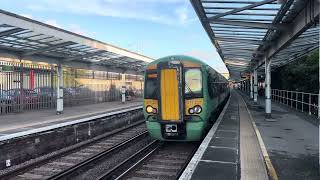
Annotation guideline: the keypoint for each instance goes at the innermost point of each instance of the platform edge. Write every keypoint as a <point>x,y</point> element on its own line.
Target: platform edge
<point>188,172</point>
<point>270,168</point>
<point>60,125</point>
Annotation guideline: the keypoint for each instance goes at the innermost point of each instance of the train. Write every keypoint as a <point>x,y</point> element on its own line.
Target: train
<point>182,95</point>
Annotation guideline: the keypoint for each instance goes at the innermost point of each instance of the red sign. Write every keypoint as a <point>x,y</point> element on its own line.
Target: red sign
<point>31,81</point>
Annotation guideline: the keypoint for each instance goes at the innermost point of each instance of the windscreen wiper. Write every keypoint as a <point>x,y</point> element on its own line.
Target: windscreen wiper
<point>189,89</point>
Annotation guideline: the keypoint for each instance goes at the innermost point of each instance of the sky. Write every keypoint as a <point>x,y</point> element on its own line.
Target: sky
<point>155,28</point>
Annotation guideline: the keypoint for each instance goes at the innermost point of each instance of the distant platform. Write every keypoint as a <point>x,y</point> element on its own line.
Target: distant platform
<point>14,125</point>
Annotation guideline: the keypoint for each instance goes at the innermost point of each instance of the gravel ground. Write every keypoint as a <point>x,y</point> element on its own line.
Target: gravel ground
<point>165,163</point>
<point>72,158</point>
<point>108,163</point>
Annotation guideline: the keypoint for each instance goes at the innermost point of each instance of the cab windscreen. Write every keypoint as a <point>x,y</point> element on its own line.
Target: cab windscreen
<point>193,83</point>
<point>151,86</point>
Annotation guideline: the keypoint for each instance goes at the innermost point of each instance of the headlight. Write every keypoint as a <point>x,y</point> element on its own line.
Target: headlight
<point>150,109</point>
<point>195,110</point>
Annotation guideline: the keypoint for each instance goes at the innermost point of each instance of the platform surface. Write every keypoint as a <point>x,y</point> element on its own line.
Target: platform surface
<point>15,123</point>
<point>220,159</point>
<point>291,139</point>
<point>244,145</point>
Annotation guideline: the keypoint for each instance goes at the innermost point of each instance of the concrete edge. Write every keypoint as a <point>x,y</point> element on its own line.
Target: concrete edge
<point>60,125</point>
<point>188,172</point>
<point>270,168</point>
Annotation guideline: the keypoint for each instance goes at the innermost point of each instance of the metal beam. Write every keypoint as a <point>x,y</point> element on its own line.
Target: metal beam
<point>247,41</point>
<point>254,9</point>
<point>47,48</point>
<point>228,1</point>
<point>236,50</point>
<point>75,64</point>
<point>11,31</point>
<point>202,17</point>
<point>251,24</point>
<point>246,14</point>
<point>241,9</point>
<point>84,56</point>
<point>304,20</point>
<point>237,68</point>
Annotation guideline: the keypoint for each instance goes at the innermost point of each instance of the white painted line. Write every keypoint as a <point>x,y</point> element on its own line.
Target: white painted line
<point>57,120</point>
<point>60,125</point>
<point>219,137</point>
<point>187,173</point>
<point>228,130</point>
<point>272,172</point>
<point>222,162</point>
<point>223,147</point>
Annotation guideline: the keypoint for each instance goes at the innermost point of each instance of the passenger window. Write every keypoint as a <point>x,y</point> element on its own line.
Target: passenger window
<point>210,87</point>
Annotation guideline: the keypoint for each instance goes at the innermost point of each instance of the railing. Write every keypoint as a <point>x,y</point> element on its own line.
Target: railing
<point>27,87</point>
<point>305,102</point>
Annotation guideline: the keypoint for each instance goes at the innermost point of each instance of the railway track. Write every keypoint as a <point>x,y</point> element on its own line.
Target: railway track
<point>76,161</point>
<point>155,161</point>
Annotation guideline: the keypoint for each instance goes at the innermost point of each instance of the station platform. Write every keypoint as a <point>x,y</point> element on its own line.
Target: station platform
<point>242,144</point>
<point>27,121</point>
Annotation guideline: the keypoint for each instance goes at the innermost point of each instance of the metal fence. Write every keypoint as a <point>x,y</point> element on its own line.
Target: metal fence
<point>27,86</point>
<point>305,102</point>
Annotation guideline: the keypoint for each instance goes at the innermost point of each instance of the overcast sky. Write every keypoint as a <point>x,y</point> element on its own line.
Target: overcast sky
<point>155,28</point>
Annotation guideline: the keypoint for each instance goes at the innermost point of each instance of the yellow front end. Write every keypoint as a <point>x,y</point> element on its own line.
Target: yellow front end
<point>169,95</point>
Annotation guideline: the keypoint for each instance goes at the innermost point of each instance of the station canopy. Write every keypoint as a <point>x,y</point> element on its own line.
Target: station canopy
<point>27,39</point>
<point>246,33</point>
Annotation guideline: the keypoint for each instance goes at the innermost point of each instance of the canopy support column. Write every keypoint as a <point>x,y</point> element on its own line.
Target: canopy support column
<point>319,100</point>
<point>251,86</point>
<point>60,90</point>
<point>268,87</point>
<point>255,86</point>
<point>246,86</point>
<point>319,109</point>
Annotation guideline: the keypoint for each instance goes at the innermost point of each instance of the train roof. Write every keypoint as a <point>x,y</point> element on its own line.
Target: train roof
<point>178,57</point>
<point>185,58</point>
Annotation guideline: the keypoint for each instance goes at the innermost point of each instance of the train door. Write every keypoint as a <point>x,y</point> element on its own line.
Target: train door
<point>171,100</point>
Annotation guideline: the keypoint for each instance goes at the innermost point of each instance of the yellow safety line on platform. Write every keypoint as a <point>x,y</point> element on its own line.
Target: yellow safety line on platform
<point>270,167</point>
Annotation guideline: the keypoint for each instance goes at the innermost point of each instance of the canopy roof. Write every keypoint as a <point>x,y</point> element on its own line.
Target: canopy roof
<point>27,38</point>
<point>246,33</point>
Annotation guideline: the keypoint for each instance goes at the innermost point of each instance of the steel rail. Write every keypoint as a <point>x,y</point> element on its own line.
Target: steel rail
<point>96,157</point>
<point>148,156</point>
<point>112,171</point>
<point>187,161</point>
<point>88,143</point>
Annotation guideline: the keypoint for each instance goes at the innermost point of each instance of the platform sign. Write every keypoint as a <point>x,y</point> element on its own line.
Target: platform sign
<point>6,68</point>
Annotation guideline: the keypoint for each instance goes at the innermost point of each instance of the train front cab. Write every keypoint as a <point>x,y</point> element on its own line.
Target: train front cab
<point>174,103</point>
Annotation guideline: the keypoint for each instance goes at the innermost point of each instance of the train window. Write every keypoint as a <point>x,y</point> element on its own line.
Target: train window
<point>151,86</point>
<point>210,86</point>
<point>193,83</point>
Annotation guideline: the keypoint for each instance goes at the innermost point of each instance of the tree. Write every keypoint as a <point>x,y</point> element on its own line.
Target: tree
<point>300,75</point>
